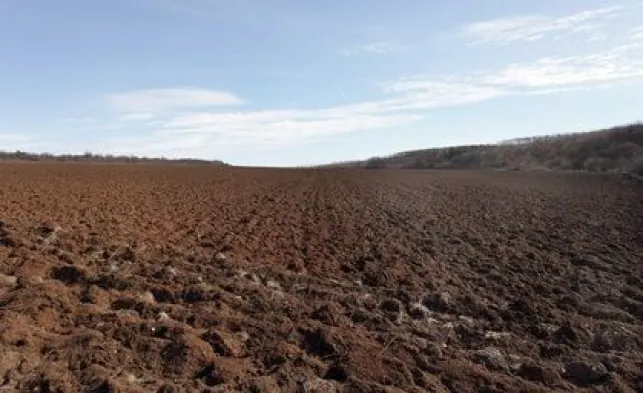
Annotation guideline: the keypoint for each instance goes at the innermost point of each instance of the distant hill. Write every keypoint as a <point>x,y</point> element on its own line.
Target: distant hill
<point>618,149</point>
<point>99,158</point>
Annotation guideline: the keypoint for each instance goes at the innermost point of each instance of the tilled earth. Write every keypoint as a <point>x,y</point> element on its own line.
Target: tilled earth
<point>117,278</point>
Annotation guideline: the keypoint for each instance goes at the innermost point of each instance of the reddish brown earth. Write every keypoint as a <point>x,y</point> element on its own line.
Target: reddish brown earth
<point>146,278</point>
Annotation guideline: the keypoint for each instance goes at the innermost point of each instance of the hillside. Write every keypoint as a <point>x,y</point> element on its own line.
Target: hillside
<point>619,149</point>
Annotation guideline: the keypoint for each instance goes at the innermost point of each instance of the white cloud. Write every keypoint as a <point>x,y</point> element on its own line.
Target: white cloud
<point>637,34</point>
<point>544,76</point>
<point>279,126</point>
<point>156,100</point>
<point>196,133</point>
<point>536,27</point>
<point>375,48</point>
<point>569,71</point>
<point>185,125</point>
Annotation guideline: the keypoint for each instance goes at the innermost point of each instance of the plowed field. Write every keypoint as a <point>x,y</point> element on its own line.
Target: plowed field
<point>118,278</point>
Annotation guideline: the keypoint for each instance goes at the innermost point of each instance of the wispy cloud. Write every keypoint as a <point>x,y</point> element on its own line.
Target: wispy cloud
<point>637,34</point>
<point>542,76</point>
<point>374,48</point>
<point>183,122</point>
<point>406,101</point>
<point>155,100</point>
<point>569,71</point>
<point>536,27</point>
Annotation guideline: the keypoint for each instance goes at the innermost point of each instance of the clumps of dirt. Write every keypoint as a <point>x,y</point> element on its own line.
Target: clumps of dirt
<point>182,279</point>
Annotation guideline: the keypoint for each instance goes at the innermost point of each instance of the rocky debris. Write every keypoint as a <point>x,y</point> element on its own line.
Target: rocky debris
<point>466,321</point>
<point>273,285</point>
<point>226,344</point>
<point>439,301</point>
<point>318,385</point>
<point>496,335</point>
<point>335,330</point>
<point>492,358</point>
<point>8,281</point>
<point>540,374</point>
<point>419,311</point>
<point>163,317</point>
<point>220,257</point>
<point>585,373</point>
<point>147,297</point>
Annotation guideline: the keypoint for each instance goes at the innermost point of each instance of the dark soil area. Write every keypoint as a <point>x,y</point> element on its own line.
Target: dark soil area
<point>153,278</point>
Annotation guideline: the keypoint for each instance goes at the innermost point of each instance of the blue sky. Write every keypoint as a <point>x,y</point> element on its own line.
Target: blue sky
<point>285,82</point>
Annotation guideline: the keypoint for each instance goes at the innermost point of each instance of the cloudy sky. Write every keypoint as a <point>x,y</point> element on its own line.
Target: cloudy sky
<point>293,82</point>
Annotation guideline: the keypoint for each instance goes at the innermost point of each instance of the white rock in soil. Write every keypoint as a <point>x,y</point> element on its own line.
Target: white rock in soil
<point>273,285</point>
<point>492,358</point>
<point>8,281</point>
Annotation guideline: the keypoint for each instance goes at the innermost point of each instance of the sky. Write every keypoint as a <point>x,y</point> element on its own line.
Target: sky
<point>298,82</point>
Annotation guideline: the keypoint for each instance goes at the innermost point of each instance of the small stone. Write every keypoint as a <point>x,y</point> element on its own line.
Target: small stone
<point>241,273</point>
<point>318,385</point>
<point>163,317</point>
<point>496,335</point>
<point>467,321</point>
<point>418,311</point>
<point>492,358</point>
<point>128,315</point>
<point>273,285</point>
<point>8,281</point>
<point>220,257</point>
<point>148,297</point>
<point>584,373</point>
<point>515,362</point>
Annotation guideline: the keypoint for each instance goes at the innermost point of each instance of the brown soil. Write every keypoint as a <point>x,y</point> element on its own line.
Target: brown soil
<point>117,278</point>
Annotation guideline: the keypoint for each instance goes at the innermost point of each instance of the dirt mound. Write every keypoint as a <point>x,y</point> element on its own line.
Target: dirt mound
<point>196,279</point>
